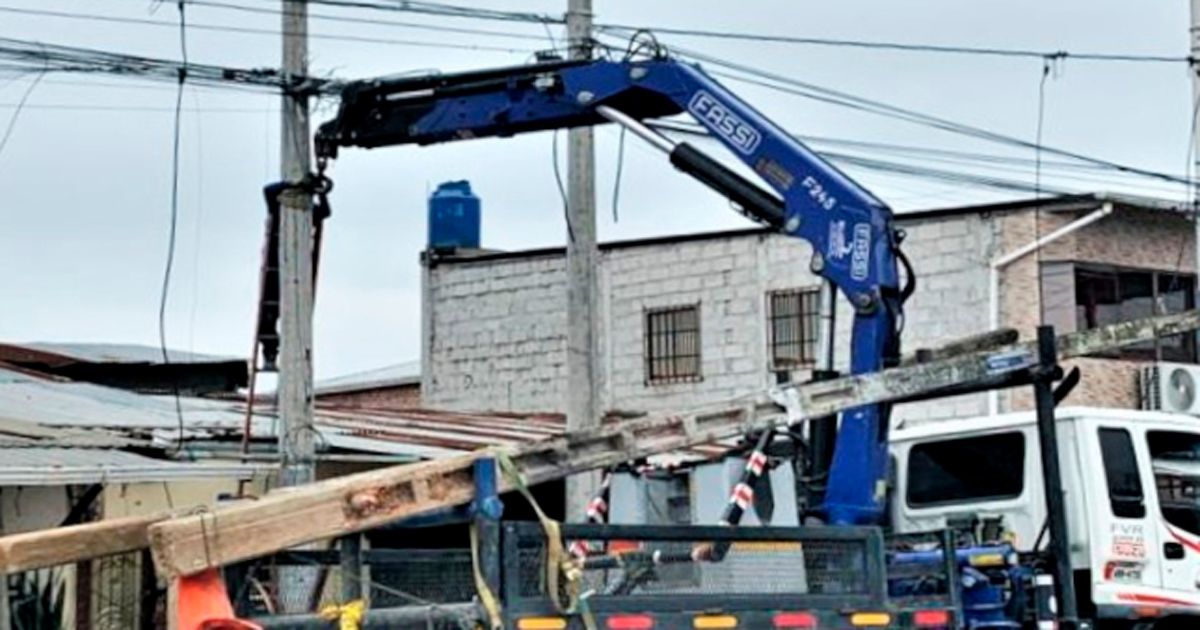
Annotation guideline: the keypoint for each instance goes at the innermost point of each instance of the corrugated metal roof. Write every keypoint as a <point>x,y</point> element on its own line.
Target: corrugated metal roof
<point>407,373</point>
<point>122,353</point>
<point>436,433</point>
<point>49,402</point>
<point>39,466</point>
<point>419,433</point>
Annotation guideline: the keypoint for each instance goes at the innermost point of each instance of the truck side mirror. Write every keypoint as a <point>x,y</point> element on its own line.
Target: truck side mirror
<point>1173,551</point>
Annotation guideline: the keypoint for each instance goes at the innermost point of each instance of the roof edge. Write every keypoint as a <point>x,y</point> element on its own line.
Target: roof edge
<point>1059,203</point>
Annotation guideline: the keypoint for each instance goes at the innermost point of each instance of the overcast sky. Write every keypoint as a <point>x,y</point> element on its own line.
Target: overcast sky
<point>85,178</point>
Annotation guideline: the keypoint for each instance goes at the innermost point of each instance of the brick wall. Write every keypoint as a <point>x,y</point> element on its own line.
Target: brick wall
<point>1135,238</point>
<point>398,397</point>
<point>498,325</point>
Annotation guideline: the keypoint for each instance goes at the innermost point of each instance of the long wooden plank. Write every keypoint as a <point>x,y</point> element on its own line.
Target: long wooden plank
<point>363,501</point>
<point>358,502</point>
<point>65,545</point>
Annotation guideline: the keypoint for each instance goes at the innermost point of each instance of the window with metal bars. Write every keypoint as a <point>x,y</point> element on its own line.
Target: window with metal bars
<point>793,317</point>
<point>673,345</point>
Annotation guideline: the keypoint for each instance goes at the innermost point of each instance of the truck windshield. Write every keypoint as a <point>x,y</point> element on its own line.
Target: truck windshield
<point>1176,460</point>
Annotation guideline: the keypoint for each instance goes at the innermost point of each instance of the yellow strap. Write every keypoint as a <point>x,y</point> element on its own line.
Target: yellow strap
<point>486,597</point>
<point>349,616</point>
<point>558,561</point>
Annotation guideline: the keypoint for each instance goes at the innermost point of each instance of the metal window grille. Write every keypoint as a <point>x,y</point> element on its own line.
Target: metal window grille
<point>794,317</point>
<point>673,345</point>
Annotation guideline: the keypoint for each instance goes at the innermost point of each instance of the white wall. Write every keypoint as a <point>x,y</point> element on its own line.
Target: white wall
<point>499,325</point>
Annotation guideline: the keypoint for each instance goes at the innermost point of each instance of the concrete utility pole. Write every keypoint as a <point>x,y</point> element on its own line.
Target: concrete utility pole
<point>295,398</point>
<point>1194,69</point>
<point>582,364</point>
<point>295,269</point>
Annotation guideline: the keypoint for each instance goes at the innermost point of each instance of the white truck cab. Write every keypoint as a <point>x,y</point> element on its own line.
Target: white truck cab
<point>1131,481</point>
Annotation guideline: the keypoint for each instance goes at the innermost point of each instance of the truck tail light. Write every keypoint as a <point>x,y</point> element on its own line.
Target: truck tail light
<point>542,623</point>
<point>714,622</point>
<point>630,622</point>
<point>931,619</point>
<point>794,620</point>
<point>870,619</point>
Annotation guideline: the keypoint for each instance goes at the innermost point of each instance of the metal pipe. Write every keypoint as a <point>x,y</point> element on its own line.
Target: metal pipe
<point>1052,473</point>
<point>659,141</point>
<point>1020,252</point>
<point>415,617</point>
<point>351,565</point>
<point>821,431</point>
<point>826,342</point>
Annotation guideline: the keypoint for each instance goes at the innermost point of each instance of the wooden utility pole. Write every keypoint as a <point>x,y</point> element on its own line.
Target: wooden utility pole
<point>582,389</point>
<point>296,444</point>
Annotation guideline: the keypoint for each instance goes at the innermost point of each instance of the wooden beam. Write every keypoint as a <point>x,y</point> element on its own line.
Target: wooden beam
<point>171,611</point>
<point>75,543</point>
<point>363,501</point>
<point>973,343</point>
<point>343,505</point>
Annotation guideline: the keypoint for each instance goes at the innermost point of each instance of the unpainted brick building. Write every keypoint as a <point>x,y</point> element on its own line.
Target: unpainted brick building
<point>691,320</point>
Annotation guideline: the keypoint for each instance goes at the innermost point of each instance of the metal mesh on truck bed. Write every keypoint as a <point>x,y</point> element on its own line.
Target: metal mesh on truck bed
<point>666,565</point>
<point>439,576</point>
<point>748,567</point>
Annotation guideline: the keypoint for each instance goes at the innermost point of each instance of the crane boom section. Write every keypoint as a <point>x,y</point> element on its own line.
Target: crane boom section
<point>855,245</point>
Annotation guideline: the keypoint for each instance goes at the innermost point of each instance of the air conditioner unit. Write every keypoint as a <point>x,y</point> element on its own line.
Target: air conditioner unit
<point>1170,387</point>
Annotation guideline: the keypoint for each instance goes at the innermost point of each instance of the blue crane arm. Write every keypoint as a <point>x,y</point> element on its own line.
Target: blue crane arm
<point>854,241</point>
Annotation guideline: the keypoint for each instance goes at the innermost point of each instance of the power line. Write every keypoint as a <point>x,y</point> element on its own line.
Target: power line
<point>923,172</point>
<point>796,87</point>
<point>166,281</point>
<point>257,31</point>
<point>896,46</point>
<point>373,22</point>
<point>30,56</point>
<point>951,156</point>
<point>447,10</point>
<point>131,108</point>
<point>12,122</point>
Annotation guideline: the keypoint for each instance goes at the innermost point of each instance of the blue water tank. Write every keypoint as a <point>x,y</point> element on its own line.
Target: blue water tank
<point>453,216</point>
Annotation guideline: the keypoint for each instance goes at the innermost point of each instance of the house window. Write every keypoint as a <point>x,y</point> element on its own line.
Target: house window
<point>673,345</point>
<point>1109,296</point>
<point>793,317</point>
<point>968,470</point>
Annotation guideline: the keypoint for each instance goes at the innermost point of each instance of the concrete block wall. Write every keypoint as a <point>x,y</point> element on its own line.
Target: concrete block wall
<point>951,256</point>
<point>723,276</point>
<point>499,324</point>
<point>497,335</point>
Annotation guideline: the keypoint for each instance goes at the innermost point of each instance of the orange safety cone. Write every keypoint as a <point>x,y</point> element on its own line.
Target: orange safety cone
<point>204,604</point>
